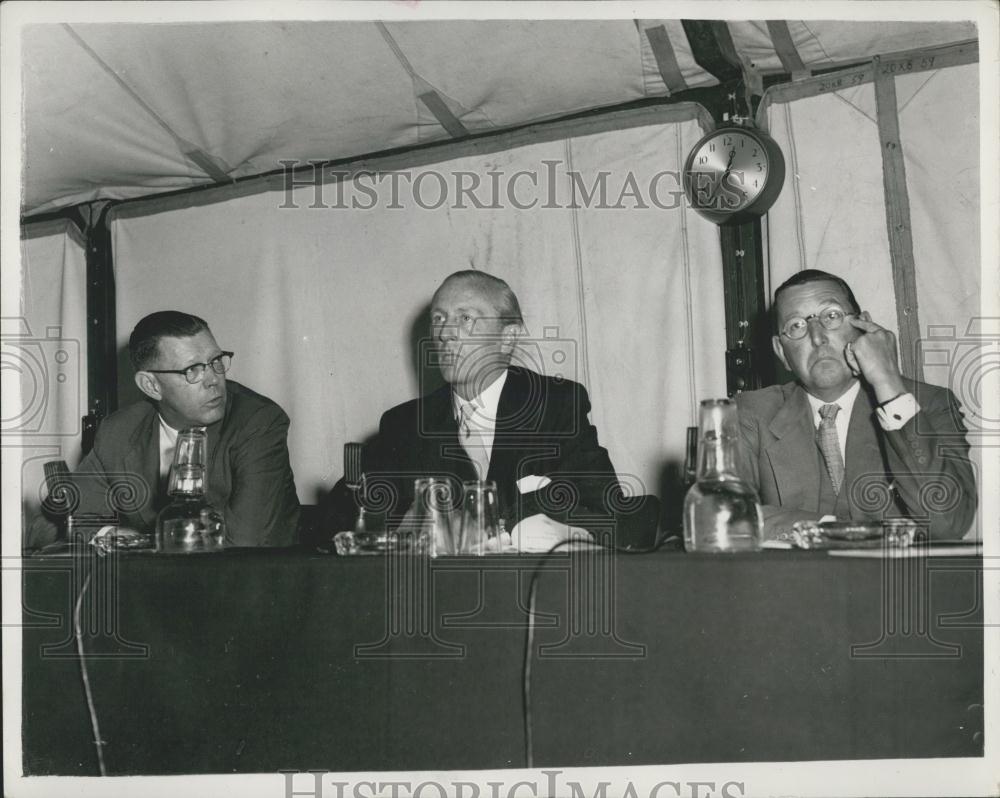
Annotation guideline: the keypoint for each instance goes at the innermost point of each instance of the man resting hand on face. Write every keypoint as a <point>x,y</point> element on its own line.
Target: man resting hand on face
<point>851,438</point>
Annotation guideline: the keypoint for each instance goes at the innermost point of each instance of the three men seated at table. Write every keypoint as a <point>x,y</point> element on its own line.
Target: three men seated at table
<point>181,369</point>
<point>851,438</point>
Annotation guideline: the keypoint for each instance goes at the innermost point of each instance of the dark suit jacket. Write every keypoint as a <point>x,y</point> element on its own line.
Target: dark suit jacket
<point>921,471</point>
<point>542,429</point>
<point>249,476</point>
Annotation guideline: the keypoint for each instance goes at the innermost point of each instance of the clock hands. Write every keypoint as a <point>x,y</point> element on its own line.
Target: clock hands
<point>734,174</point>
<point>729,168</point>
<point>729,164</point>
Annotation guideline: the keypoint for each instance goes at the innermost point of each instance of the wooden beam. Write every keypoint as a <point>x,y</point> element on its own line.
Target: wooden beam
<point>102,346</point>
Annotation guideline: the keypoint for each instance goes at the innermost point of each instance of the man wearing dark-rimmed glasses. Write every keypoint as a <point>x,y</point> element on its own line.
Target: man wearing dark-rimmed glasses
<point>182,371</point>
<point>851,438</point>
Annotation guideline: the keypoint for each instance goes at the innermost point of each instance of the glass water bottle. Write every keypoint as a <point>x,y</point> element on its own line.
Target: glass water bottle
<point>189,523</point>
<point>721,511</point>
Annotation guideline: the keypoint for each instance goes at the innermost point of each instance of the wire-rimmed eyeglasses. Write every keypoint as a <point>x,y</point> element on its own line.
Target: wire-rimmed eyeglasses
<point>220,365</point>
<point>830,318</point>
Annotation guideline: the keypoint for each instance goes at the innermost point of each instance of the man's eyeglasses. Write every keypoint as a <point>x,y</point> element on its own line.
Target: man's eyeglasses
<point>220,365</point>
<point>831,319</point>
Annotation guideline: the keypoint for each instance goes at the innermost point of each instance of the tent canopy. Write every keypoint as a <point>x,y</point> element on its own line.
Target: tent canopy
<point>117,111</point>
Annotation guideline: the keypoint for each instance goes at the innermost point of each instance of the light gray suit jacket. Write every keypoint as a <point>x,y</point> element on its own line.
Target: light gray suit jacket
<point>921,471</point>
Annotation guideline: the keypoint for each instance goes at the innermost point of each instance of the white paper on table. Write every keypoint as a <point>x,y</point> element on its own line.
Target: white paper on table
<point>957,550</point>
<point>540,533</point>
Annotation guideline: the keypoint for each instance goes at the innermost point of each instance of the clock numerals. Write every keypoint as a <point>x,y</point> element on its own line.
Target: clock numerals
<point>734,174</point>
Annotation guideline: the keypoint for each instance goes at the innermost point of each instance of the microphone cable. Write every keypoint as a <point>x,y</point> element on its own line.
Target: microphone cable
<point>589,545</point>
<point>78,633</point>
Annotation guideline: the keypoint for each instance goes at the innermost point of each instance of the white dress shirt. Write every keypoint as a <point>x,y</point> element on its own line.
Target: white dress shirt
<point>168,443</point>
<point>843,420</point>
<point>481,412</point>
<point>891,415</point>
<point>896,412</point>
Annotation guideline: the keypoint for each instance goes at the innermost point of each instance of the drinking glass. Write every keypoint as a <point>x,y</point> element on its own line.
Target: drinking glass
<point>191,446</point>
<point>480,517</point>
<point>433,505</point>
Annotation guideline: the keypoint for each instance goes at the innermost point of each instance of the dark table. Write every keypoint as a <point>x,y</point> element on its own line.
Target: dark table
<point>258,661</point>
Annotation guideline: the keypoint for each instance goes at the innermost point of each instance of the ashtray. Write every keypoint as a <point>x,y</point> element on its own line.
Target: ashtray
<point>896,533</point>
<point>355,543</point>
<point>113,538</point>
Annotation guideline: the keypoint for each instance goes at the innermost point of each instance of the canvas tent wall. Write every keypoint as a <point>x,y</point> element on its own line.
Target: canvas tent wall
<point>323,304</point>
<point>923,283</point>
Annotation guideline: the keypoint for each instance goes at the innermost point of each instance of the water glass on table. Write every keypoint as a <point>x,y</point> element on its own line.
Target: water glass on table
<point>433,505</point>
<point>480,518</point>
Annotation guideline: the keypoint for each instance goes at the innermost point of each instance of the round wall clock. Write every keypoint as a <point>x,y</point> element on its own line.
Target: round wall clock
<point>734,174</point>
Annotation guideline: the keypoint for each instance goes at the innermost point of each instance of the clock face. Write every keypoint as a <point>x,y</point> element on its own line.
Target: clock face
<point>728,171</point>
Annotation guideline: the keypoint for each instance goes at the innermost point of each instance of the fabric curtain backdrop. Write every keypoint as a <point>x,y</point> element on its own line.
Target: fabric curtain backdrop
<point>325,306</point>
<point>831,214</point>
<point>45,351</point>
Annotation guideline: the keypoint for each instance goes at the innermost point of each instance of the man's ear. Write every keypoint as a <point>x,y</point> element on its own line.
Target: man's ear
<point>779,350</point>
<point>509,335</point>
<point>149,385</point>
<point>864,315</point>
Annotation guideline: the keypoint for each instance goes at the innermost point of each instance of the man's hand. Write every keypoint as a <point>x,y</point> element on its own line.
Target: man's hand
<point>873,357</point>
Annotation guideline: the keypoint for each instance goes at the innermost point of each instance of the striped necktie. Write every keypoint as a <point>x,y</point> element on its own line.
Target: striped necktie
<point>471,438</point>
<point>829,445</point>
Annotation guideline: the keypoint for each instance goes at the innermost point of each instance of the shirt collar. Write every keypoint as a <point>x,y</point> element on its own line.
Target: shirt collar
<point>168,443</point>
<point>481,408</point>
<point>167,431</point>
<point>845,400</point>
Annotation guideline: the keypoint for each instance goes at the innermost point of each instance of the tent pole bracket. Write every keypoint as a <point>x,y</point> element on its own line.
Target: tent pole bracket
<point>102,355</point>
<point>748,362</point>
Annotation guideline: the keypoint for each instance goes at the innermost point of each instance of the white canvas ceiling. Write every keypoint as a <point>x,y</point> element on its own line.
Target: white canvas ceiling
<point>115,111</point>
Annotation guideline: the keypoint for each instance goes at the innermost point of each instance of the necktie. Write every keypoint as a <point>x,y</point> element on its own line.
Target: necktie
<point>829,444</point>
<point>471,439</point>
